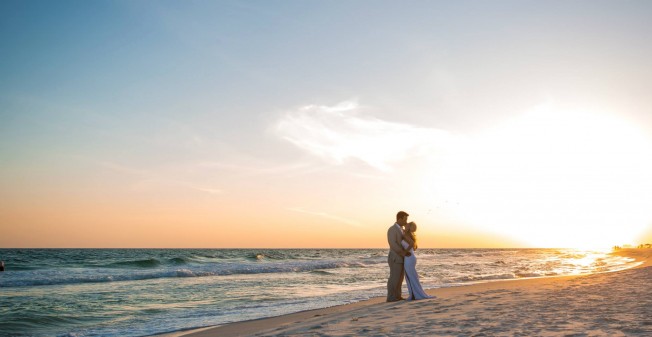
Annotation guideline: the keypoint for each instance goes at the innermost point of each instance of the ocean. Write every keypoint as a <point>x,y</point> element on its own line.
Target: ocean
<point>142,292</point>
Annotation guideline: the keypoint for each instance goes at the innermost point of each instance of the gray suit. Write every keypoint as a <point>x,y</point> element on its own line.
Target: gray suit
<point>395,260</point>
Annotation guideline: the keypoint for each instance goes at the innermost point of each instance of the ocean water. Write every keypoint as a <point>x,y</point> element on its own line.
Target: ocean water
<point>141,292</point>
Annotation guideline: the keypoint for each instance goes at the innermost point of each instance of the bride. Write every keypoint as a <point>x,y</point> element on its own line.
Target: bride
<point>409,242</point>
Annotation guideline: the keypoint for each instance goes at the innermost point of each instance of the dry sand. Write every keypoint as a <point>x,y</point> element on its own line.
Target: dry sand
<point>605,304</point>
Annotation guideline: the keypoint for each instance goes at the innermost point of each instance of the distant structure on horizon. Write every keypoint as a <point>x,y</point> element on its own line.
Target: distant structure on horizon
<point>641,246</point>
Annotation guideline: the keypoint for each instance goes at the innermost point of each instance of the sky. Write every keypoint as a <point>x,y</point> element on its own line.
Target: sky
<point>280,124</point>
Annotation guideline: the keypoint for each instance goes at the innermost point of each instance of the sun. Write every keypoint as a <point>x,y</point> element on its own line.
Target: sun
<point>552,179</point>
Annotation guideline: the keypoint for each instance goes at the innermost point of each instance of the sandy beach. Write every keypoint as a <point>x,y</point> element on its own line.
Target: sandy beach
<point>603,304</point>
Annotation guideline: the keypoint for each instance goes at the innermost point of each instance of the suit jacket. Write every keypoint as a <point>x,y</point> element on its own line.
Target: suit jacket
<point>394,237</point>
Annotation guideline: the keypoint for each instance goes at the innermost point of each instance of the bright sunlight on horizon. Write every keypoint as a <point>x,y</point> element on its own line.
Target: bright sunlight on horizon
<point>283,124</point>
<point>553,178</point>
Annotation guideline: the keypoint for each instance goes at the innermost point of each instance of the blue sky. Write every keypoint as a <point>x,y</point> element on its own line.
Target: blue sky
<point>158,97</point>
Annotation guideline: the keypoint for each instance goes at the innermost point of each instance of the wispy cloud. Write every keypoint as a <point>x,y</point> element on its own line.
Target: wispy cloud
<point>327,216</point>
<point>341,132</point>
<point>156,183</point>
<point>214,191</point>
<point>252,168</point>
<point>148,179</point>
<point>123,169</point>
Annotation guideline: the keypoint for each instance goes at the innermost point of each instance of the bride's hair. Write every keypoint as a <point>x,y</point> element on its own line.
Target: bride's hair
<point>413,236</point>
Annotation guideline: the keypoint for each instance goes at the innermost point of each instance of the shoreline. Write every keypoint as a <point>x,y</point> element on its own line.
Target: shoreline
<point>317,321</point>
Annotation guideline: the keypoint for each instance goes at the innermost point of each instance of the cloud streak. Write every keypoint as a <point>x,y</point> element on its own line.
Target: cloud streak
<point>149,179</point>
<point>327,216</point>
<point>340,133</point>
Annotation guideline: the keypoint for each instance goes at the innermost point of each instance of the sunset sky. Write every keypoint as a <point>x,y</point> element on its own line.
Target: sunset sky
<point>224,124</point>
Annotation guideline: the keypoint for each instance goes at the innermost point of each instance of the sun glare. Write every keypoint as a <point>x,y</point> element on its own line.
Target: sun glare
<point>552,179</point>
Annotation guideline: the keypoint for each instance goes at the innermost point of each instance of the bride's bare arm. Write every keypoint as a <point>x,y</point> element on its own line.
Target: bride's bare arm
<point>409,240</point>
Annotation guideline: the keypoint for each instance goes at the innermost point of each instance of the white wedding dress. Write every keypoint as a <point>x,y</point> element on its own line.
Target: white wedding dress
<point>415,291</point>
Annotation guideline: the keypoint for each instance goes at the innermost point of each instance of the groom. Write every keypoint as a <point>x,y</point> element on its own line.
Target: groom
<point>395,258</point>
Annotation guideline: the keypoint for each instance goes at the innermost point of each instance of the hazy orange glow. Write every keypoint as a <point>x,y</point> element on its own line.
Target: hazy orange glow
<point>527,182</point>
<point>229,125</point>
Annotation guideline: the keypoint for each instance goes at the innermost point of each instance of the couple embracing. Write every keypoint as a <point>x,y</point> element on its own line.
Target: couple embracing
<point>402,261</point>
